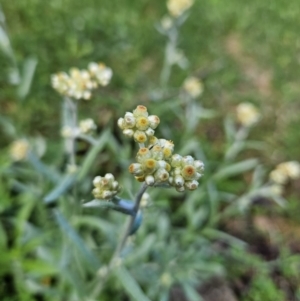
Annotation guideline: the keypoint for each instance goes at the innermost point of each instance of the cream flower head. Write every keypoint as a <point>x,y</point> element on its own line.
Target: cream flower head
<point>247,114</point>
<point>178,7</point>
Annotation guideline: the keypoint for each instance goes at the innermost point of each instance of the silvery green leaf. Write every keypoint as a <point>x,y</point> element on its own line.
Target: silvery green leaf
<point>130,285</point>
<point>230,130</point>
<point>142,251</point>
<point>27,76</point>
<point>235,169</point>
<point>62,187</point>
<point>8,127</point>
<point>47,172</point>
<point>258,177</point>
<point>75,239</point>
<point>190,292</point>
<point>4,42</point>
<point>14,76</point>
<point>93,153</point>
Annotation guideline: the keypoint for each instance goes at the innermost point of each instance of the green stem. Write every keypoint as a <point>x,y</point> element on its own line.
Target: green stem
<point>121,244</point>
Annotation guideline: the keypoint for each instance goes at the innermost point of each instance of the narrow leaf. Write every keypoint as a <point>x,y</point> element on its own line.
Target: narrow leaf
<point>43,169</point>
<point>191,293</point>
<point>235,169</point>
<point>130,285</point>
<point>27,76</point>
<point>60,189</point>
<point>90,158</point>
<point>76,240</point>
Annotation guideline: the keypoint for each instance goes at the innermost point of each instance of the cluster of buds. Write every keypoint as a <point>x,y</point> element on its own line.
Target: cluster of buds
<point>139,124</point>
<point>285,171</point>
<point>185,173</point>
<point>105,187</point>
<point>85,126</point>
<point>247,114</point>
<point>19,150</point>
<point>193,86</point>
<point>157,165</point>
<point>79,84</point>
<point>153,166</point>
<point>177,7</point>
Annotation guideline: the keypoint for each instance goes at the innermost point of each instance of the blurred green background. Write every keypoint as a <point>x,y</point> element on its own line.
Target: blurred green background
<point>242,51</point>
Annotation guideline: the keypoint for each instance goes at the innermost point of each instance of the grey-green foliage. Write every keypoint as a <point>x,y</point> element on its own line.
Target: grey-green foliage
<point>56,254</point>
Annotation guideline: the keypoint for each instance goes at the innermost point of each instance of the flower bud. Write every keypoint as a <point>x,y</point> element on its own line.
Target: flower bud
<point>140,111</point>
<point>128,132</point>
<point>176,160</point>
<point>188,172</point>
<point>149,180</point>
<point>191,185</point>
<point>136,169</point>
<point>129,120</point>
<point>109,177</point>
<point>140,137</point>
<point>188,160</point>
<point>143,153</point>
<point>153,121</point>
<point>142,123</point>
<point>161,175</point>
<point>149,132</point>
<point>157,153</point>
<point>152,140</point>
<point>115,185</point>
<point>107,194</point>
<point>87,125</point>
<point>97,181</point>
<point>167,152</point>
<point>199,165</point>
<point>140,178</point>
<point>178,181</point>
<point>149,165</point>
<point>121,123</point>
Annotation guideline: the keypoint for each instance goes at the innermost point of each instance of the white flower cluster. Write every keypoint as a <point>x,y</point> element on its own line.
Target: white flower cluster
<point>138,124</point>
<point>105,187</point>
<point>79,84</point>
<point>156,164</point>
<point>193,86</point>
<point>87,125</point>
<point>178,7</point>
<point>247,114</point>
<point>285,171</point>
<point>185,173</point>
<point>19,150</point>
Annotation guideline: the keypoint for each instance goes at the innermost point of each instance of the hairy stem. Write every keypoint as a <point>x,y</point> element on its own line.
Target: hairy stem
<point>121,244</point>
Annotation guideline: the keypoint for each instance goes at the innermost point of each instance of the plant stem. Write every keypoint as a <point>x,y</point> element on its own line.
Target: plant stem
<point>121,244</point>
<point>169,57</point>
<point>70,119</point>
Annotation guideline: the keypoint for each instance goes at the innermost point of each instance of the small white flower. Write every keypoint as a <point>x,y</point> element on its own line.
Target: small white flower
<point>178,7</point>
<point>87,125</point>
<point>193,86</point>
<point>285,171</point>
<point>19,150</point>
<point>247,114</point>
<point>276,189</point>
<point>67,132</point>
